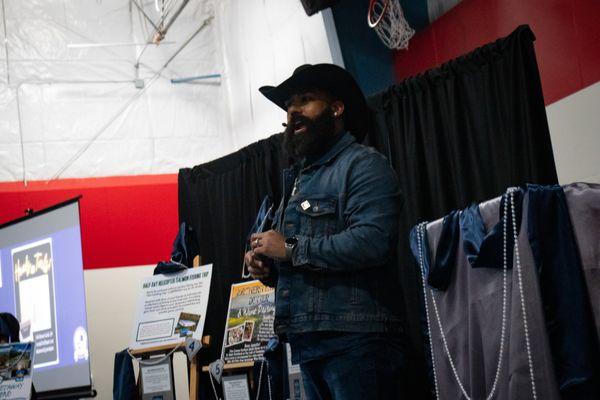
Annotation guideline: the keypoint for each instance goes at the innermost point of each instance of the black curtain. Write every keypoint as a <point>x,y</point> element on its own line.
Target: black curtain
<point>459,133</point>
<point>220,200</point>
<point>462,133</point>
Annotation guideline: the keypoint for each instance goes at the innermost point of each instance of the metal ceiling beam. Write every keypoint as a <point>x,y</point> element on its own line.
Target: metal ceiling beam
<point>159,31</point>
<point>163,31</point>
<point>141,9</point>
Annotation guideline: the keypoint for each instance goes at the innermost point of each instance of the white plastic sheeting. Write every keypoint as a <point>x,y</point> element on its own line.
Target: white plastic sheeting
<point>263,42</point>
<point>67,97</point>
<point>61,117</point>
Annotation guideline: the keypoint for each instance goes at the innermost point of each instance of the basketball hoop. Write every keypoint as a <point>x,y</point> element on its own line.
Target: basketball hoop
<point>386,17</point>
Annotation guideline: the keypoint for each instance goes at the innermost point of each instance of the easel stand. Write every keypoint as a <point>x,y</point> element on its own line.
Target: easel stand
<point>146,353</point>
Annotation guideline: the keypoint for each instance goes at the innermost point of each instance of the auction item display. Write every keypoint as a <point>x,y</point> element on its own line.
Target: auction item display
<point>249,324</point>
<point>172,308</point>
<point>16,370</point>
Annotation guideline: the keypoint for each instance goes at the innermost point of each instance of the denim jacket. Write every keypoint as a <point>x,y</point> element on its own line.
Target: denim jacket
<point>343,209</point>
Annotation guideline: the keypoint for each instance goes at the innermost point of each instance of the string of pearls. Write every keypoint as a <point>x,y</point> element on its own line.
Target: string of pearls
<point>264,361</point>
<point>443,335</point>
<point>523,310</point>
<point>262,365</point>
<point>421,229</point>
<point>212,382</point>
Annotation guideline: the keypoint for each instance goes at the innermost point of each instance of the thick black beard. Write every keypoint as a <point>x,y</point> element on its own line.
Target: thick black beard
<point>318,138</point>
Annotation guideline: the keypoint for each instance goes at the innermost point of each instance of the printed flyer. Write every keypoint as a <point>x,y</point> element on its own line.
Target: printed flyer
<point>172,308</point>
<point>33,267</point>
<point>249,324</point>
<point>16,369</point>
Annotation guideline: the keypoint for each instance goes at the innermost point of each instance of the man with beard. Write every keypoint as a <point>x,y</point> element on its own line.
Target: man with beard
<point>330,252</point>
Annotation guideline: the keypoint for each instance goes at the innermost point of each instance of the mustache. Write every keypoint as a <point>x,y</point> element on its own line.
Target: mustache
<point>295,120</point>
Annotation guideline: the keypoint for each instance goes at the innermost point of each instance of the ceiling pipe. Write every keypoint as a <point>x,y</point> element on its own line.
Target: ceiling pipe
<point>194,78</point>
<point>162,31</point>
<point>113,44</point>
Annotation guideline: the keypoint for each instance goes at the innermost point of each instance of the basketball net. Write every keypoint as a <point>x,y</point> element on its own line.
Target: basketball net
<point>387,18</point>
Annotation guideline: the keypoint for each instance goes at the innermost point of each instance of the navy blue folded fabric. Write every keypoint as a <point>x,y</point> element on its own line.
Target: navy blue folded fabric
<point>567,311</point>
<point>262,223</point>
<point>264,217</point>
<point>168,267</point>
<point>414,247</point>
<point>440,272</point>
<point>438,275</point>
<point>185,248</point>
<point>485,250</point>
<point>124,377</point>
<point>473,232</point>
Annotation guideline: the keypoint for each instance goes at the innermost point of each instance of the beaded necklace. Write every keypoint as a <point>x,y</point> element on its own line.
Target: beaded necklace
<point>421,230</point>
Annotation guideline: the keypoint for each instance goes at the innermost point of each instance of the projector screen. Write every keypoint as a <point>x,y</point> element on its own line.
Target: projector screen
<point>41,283</point>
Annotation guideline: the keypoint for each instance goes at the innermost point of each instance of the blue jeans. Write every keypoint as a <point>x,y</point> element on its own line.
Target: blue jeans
<point>372,370</point>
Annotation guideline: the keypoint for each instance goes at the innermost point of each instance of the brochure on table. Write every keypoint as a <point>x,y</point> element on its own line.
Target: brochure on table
<point>16,370</point>
<point>249,323</point>
<point>172,308</point>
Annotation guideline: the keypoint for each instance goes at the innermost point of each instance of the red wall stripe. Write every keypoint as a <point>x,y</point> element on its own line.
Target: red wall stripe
<point>128,220</point>
<point>567,44</point>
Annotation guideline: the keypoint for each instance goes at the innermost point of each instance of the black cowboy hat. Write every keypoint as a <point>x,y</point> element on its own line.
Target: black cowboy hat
<point>333,79</point>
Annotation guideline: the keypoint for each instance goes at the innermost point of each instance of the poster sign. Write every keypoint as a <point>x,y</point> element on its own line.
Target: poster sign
<point>157,381</point>
<point>172,308</point>
<point>33,268</point>
<point>249,324</point>
<point>235,387</point>
<point>16,369</point>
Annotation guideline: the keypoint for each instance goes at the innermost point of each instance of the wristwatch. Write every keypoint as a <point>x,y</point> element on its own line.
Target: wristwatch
<point>290,244</point>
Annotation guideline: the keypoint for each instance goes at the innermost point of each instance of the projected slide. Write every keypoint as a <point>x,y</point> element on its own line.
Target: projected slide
<point>41,278</point>
<point>34,298</point>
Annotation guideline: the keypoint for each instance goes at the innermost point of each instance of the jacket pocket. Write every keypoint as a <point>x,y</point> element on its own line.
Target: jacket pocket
<point>318,215</point>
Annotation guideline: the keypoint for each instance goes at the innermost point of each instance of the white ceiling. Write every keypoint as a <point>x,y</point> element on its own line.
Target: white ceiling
<point>69,106</point>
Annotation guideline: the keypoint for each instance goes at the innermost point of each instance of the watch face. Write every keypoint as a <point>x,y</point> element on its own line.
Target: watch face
<point>291,241</point>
